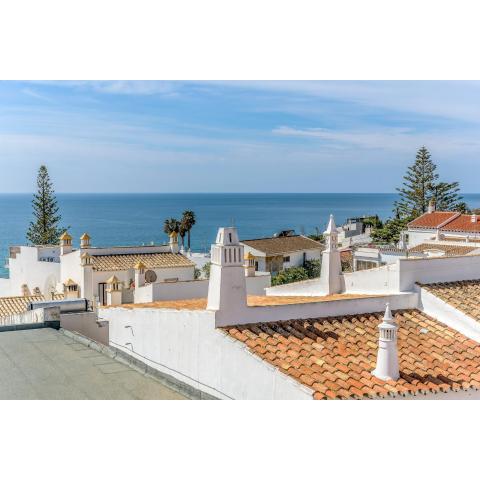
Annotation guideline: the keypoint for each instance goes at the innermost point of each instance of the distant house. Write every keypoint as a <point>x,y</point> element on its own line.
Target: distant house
<point>443,226</point>
<point>273,254</point>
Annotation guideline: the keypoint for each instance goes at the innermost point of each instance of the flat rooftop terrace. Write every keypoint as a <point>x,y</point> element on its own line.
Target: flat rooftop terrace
<point>252,301</point>
<point>45,364</point>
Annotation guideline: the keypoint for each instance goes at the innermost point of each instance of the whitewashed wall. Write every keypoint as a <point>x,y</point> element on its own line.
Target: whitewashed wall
<point>416,237</point>
<point>27,269</point>
<point>448,315</point>
<point>434,270</point>
<point>375,280</point>
<point>186,346</point>
<point>5,289</point>
<point>333,308</point>
<point>192,289</point>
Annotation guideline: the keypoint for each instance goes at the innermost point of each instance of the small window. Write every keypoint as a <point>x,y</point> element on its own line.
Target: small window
<point>230,237</point>
<point>256,266</point>
<point>286,259</point>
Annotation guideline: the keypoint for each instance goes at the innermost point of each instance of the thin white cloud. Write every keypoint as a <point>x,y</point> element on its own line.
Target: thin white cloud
<point>34,94</point>
<point>390,139</point>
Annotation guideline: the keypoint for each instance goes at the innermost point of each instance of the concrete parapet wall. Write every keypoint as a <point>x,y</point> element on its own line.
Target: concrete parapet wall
<point>333,308</point>
<point>450,316</point>
<point>185,346</point>
<point>86,324</point>
<point>435,270</point>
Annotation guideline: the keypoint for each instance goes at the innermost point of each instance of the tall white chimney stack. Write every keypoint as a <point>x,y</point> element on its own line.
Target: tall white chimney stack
<point>227,289</point>
<point>431,206</point>
<point>331,270</point>
<point>387,357</point>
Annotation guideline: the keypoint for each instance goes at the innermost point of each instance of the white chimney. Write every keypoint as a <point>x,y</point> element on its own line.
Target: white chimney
<point>473,218</point>
<point>139,275</point>
<point>331,271</point>
<point>431,206</point>
<point>387,357</point>
<point>85,241</point>
<point>227,289</point>
<point>174,242</point>
<point>65,243</point>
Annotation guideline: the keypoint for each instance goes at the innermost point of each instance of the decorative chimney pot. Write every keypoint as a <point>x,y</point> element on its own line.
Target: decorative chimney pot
<point>249,265</point>
<point>114,291</point>
<point>70,289</point>
<point>85,241</point>
<point>227,287</point>
<point>331,271</point>
<point>140,275</point>
<point>65,243</point>
<point>174,242</point>
<point>387,356</point>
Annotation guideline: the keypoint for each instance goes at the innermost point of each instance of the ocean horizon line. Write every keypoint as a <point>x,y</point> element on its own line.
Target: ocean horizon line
<point>220,193</point>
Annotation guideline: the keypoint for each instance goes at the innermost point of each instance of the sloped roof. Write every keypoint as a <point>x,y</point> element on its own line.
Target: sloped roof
<point>335,356</point>
<point>447,249</point>
<point>463,223</point>
<point>13,305</point>
<point>111,263</point>
<point>283,245</point>
<point>463,295</point>
<point>432,220</point>
<point>448,222</point>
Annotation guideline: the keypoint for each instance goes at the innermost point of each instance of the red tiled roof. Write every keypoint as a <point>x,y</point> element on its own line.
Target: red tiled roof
<point>448,250</point>
<point>463,295</point>
<point>463,223</point>
<point>431,220</point>
<point>447,221</point>
<point>283,245</point>
<point>335,356</point>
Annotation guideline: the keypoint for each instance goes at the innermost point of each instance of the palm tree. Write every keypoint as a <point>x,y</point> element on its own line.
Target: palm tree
<point>188,221</point>
<point>171,225</point>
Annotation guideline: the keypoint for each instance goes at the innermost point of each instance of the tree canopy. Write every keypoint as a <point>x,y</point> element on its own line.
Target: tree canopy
<point>420,186</point>
<point>44,230</point>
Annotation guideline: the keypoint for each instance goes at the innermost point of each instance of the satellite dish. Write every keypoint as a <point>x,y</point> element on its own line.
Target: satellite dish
<point>150,276</point>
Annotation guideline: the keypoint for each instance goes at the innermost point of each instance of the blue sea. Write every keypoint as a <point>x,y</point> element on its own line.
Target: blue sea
<point>135,219</point>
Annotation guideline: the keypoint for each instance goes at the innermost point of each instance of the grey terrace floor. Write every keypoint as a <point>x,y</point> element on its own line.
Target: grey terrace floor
<point>46,364</point>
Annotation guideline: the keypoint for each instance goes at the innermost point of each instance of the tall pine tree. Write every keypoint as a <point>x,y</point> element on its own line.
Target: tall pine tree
<point>419,187</point>
<point>44,230</point>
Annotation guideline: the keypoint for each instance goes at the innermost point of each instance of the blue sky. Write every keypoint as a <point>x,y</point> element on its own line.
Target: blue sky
<point>274,136</point>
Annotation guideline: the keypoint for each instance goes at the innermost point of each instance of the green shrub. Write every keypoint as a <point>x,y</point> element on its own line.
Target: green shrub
<point>313,268</point>
<point>290,275</point>
<point>206,269</point>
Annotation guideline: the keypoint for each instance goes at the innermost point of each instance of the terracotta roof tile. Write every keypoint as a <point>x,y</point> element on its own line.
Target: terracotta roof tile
<point>283,245</point>
<point>447,249</point>
<point>14,305</point>
<point>447,221</point>
<point>335,356</point>
<point>463,295</point>
<point>432,220</point>
<point>463,223</point>
<point>111,263</point>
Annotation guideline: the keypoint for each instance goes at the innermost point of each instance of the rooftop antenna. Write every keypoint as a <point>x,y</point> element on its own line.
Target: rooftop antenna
<point>233,222</point>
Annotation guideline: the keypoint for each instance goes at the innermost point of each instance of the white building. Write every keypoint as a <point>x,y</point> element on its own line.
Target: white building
<point>296,343</point>
<point>433,234</point>
<point>274,254</point>
<point>84,271</point>
<point>444,226</point>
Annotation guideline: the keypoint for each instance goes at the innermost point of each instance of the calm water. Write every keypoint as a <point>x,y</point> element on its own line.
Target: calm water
<point>127,219</point>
